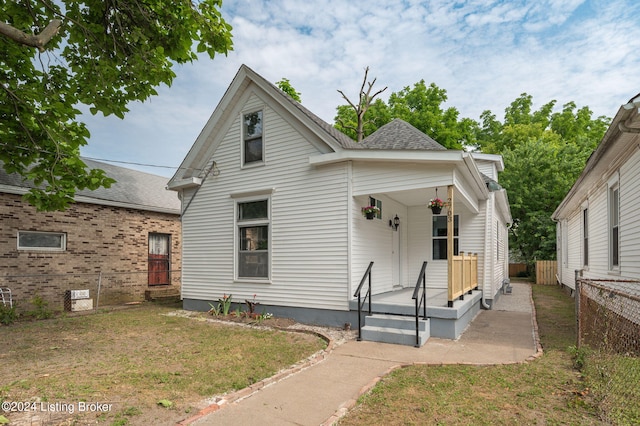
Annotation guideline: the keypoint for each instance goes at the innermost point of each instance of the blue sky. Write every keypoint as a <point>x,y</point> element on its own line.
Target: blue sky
<point>483,53</point>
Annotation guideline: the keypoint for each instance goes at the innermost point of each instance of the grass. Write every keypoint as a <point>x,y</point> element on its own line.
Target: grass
<point>134,358</point>
<point>547,391</point>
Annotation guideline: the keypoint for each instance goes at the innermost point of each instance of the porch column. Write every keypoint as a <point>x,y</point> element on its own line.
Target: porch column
<point>450,230</point>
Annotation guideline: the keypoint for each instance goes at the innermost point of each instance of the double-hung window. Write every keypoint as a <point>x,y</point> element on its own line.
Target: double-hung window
<point>439,237</point>
<point>253,239</point>
<point>614,227</point>
<point>252,145</point>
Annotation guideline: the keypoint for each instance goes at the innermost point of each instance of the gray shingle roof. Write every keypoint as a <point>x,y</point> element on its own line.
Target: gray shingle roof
<point>136,189</point>
<point>398,134</point>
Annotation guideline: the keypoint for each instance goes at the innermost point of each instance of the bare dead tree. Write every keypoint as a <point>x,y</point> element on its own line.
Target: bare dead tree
<point>364,102</point>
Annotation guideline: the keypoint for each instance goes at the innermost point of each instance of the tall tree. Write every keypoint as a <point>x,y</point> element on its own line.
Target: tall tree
<point>544,152</point>
<point>61,55</point>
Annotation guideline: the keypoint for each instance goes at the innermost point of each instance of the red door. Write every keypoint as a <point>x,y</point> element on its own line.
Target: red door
<point>159,264</point>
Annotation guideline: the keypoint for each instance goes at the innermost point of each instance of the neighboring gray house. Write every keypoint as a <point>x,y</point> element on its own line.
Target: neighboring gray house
<point>598,227</point>
<point>271,205</point>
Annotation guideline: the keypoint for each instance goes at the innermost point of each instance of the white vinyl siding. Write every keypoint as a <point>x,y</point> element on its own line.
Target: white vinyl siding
<point>629,219</point>
<point>373,241</point>
<point>372,178</point>
<point>309,208</point>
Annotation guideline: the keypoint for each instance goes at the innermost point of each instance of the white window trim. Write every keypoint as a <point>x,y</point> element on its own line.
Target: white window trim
<point>455,237</point>
<point>584,235</point>
<point>61,248</point>
<point>261,163</point>
<point>258,196</point>
<point>613,185</point>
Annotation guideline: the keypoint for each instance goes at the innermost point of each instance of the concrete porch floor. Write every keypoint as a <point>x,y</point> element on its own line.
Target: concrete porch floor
<point>435,297</point>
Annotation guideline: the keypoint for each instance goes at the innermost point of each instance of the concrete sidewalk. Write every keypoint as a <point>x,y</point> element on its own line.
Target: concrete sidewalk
<point>323,391</point>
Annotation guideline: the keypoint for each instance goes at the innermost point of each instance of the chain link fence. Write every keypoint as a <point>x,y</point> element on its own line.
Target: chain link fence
<point>608,314</point>
<point>85,292</point>
<point>608,319</point>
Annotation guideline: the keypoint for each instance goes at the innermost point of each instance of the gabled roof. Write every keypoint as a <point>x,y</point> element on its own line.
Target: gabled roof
<point>398,134</point>
<point>133,189</point>
<point>193,167</point>
<point>395,141</point>
<point>343,140</point>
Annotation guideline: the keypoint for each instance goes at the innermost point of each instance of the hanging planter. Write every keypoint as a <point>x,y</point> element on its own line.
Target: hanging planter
<point>370,212</point>
<point>436,205</point>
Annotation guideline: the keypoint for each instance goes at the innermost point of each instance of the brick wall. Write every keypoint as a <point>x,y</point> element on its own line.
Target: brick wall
<point>99,239</point>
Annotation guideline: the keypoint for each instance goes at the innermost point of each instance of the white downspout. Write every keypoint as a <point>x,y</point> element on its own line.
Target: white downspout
<point>488,247</point>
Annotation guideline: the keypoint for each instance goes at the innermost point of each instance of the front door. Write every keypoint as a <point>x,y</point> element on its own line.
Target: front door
<point>395,258</point>
<point>159,264</point>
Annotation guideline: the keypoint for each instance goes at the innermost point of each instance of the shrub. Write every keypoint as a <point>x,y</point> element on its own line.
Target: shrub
<point>8,314</point>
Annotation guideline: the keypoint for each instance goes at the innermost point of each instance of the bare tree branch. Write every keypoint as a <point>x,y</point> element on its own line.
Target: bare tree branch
<point>38,41</point>
<point>365,100</point>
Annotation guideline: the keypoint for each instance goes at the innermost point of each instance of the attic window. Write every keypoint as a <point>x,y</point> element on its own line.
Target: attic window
<point>253,148</point>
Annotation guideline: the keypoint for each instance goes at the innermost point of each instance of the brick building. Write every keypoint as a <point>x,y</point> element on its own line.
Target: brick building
<point>119,243</point>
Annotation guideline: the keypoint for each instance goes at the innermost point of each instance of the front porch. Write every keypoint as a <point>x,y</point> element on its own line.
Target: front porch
<point>412,315</point>
<point>445,322</point>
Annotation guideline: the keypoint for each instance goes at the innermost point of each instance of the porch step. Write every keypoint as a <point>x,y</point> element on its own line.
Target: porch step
<point>400,330</point>
<point>168,294</point>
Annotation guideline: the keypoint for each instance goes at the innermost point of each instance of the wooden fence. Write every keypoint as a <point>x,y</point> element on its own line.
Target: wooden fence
<point>546,271</point>
<point>517,268</point>
<point>465,275</point>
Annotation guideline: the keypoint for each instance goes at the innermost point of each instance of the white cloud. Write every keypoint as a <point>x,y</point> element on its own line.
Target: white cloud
<point>484,53</point>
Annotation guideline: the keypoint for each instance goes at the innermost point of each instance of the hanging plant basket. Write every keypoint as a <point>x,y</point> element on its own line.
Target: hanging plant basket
<point>436,205</point>
<point>370,212</point>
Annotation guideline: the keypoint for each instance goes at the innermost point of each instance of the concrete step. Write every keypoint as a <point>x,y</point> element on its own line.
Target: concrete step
<point>162,294</point>
<point>395,329</point>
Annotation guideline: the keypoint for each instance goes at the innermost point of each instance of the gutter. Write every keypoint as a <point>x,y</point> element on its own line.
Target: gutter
<point>387,155</point>
<point>618,125</point>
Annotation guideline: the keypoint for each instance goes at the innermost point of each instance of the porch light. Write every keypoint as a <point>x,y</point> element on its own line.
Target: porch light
<point>394,223</point>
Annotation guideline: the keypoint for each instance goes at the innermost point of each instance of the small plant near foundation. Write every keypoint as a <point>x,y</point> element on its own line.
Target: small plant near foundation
<point>42,310</point>
<point>223,306</point>
<point>251,305</point>
<point>8,315</point>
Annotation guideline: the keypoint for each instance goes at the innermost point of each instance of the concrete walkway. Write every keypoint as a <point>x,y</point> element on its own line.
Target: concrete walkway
<point>321,392</point>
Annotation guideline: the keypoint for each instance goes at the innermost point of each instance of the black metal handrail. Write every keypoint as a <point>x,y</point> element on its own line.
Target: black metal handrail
<point>420,300</point>
<point>358,294</point>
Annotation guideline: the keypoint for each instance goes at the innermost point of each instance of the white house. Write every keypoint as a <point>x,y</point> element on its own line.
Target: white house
<point>598,227</point>
<point>271,205</point>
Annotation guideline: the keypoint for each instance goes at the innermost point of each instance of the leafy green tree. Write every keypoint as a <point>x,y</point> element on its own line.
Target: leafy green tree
<point>95,54</point>
<point>544,153</point>
<point>286,87</point>
<point>422,107</point>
